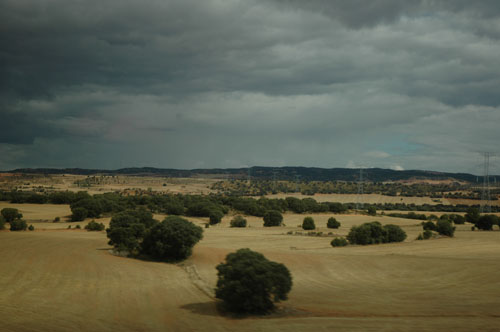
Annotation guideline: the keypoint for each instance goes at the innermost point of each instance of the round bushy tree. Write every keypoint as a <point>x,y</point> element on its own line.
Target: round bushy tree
<point>250,283</point>
<point>238,221</point>
<point>18,225</point>
<point>486,222</point>
<point>308,224</point>
<point>172,239</point>
<point>215,217</point>
<point>11,214</point>
<point>394,233</point>
<point>127,229</point>
<point>444,227</point>
<point>339,242</point>
<point>332,223</point>
<point>273,218</point>
<point>94,226</point>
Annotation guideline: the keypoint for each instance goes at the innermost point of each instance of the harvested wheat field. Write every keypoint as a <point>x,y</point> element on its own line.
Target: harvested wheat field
<point>67,280</point>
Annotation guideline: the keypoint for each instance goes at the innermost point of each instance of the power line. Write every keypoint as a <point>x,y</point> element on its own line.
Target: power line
<point>485,192</point>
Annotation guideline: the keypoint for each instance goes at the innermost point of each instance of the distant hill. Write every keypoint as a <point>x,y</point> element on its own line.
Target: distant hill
<point>258,172</point>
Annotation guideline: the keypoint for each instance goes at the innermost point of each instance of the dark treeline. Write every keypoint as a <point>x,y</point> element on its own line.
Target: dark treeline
<point>84,205</point>
<point>265,187</point>
<point>263,173</point>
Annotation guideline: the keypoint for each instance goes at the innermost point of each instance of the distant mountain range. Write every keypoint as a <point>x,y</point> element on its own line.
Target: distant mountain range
<point>262,173</point>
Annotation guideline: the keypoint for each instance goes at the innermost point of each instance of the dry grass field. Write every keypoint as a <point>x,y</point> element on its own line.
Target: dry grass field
<point>55,279</point>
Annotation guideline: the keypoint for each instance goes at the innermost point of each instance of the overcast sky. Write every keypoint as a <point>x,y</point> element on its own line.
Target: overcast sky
<point>225,83</point>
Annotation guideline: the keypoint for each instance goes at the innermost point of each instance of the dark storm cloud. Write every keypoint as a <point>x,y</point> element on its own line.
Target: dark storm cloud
<point>231,83</point>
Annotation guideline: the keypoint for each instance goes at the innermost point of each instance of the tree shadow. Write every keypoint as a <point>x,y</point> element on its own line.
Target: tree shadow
<point>211,308</point>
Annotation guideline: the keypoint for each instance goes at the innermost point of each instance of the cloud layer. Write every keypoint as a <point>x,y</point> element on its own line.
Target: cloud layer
<point>187,84</point>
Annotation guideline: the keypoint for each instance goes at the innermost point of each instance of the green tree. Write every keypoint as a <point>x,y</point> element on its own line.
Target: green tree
<point>2,222</point>
<point>394,233</point>
<point>79,214</point>
<point>472,215</point>
<point>250,283</point>
<point>238,221</point>
<point>18,225</point>
<point>11,214</point>
<point>339,242</point>
<point>128,228</point>
<point>94,226</point>
<point>372,211</point>
<point>172,239</point>
<point>332,223</point>
<point>215,217</point>
<point>486,222</point>
<point>273,218</point>
<point>444,227</point>
<point>308,223</point>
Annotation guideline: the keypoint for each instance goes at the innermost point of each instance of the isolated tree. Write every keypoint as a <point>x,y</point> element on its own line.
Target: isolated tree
<point>339,242</point>
<point>444,227</point>
<point>172,239</point>
<point>250,283</point>
<point>11,214</point>
<point>308,223</point>
<point>273,218</point>
<point>238,221</point>
<point>18,225</point>
<point>332,223</point>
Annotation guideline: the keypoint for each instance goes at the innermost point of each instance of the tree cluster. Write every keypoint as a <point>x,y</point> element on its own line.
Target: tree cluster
<point>373,233</point>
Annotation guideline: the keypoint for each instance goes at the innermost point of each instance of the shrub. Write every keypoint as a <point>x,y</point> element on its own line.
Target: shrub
<point>11,214</point>
<point>273,218</point>
<point>18,225</point>
<point>238,221</point>
<point>78,227</point>
<point>427,234</point>
<point>429,225</point>
<point>31,228</point>
<point>215,217</point>
<point>57,219</point>
<point>332,223</point>
<point>444,227</point>
<point>172,239</point>
<point>69,226</point>
<point>394,233</point>
<point>373,233</point>
<point>486,222</point>
<point>420,237</point>
<point>2,222</point>
<point>79,214</point>
<point>250,283</point>
<point>339,242</point>
<point>94,226</point>
<point>457,219</point>
<point>308,224</point>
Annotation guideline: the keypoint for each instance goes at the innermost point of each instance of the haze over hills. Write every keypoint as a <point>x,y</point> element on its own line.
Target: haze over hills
<point>260,172</point>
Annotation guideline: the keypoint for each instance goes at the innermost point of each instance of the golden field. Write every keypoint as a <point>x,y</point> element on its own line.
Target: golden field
<point>59,279</point>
